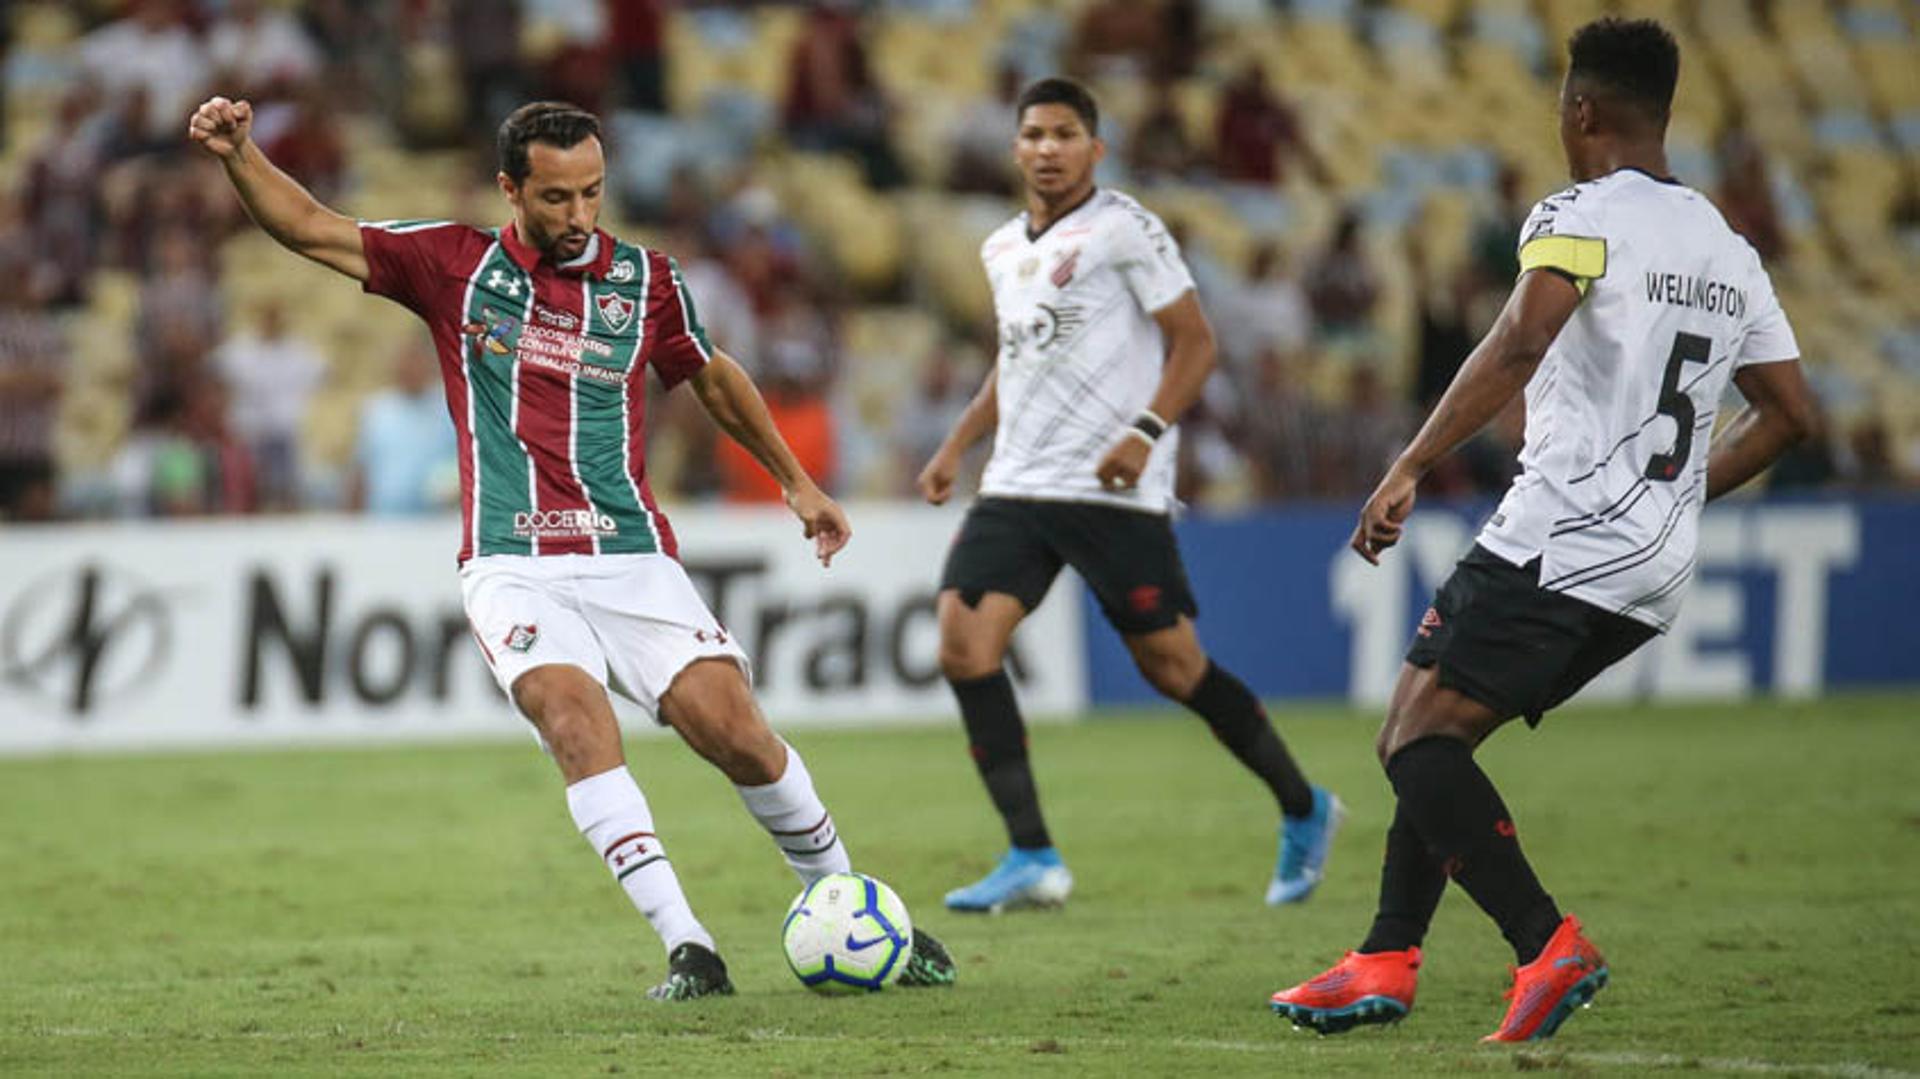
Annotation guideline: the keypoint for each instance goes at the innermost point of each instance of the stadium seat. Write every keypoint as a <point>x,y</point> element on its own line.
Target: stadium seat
<point>1412,105</point>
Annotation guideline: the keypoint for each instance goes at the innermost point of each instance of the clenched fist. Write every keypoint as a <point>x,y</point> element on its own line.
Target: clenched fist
<point>221,126</point>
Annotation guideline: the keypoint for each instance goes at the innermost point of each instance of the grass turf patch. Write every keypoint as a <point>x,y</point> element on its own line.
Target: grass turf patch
<point>1749,871</point>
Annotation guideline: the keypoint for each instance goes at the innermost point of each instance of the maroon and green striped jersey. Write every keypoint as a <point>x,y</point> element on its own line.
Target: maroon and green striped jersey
<point>544,366</point>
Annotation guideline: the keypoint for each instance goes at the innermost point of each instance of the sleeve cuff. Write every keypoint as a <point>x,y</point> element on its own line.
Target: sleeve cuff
<point>1171,297</point>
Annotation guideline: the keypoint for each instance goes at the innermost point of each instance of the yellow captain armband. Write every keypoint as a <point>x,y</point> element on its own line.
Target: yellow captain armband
<point>1582,258</point>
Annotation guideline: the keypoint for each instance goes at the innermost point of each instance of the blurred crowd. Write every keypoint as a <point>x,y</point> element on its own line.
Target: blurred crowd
<point>213,405</point>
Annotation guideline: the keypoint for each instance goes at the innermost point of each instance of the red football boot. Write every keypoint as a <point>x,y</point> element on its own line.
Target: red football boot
<point>1565,976</point>
<point>1375,988</point>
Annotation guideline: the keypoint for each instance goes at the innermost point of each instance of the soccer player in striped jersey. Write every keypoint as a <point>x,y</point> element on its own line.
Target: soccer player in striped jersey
<point>1635,306</point>
<point>1103,345</point>
<point>545,329</point>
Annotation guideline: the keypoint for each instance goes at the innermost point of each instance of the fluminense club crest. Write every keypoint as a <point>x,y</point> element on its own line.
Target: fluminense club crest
<point>615,310</point>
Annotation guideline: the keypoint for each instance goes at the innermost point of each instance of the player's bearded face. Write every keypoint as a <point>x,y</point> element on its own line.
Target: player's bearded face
<point>557,207</point>
<point>1055,151</point>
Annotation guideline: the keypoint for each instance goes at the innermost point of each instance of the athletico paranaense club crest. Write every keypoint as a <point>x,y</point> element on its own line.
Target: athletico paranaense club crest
<point>615,310</point>
<point>1063,270</point>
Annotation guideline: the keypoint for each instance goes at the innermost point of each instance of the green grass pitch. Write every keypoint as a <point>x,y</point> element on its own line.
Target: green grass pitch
<point>1751,871</point>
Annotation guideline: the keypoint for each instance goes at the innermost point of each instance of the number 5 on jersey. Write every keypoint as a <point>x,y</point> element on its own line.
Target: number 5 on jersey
<point>1687,348</point>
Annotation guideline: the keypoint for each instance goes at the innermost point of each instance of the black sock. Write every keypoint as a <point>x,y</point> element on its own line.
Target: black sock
<point>998,738</point>
<point>1469,832</point>
<point>1410,886</point>
<point>1237,719</point>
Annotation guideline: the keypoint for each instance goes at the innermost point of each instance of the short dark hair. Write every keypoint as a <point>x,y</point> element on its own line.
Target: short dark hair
<point>1636,60</point>
<point>555,123</point>
<point>1059,91</point>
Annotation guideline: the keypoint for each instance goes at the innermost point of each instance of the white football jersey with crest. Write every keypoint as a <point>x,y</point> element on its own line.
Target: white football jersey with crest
<point>1621,409</point>
<point>1080,353</point>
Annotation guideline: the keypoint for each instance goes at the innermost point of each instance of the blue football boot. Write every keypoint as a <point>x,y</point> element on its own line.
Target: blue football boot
<point>1304,843</point>
<point>1024,878</point>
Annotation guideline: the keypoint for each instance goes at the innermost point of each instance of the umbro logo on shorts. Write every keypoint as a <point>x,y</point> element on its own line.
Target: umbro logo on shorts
<point>1429,622</point>
<point>718,636</point>
<point>522,638</point>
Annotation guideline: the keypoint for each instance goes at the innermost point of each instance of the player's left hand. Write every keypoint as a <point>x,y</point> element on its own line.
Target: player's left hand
<point>826,523</point>
<point>1120,469</point>
<point>1384,515</point>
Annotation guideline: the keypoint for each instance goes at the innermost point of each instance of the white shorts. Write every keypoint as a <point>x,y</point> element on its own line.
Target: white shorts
<point>632,621</point>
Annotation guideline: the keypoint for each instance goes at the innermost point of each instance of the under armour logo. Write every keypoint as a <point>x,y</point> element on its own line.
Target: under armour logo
<point>502,281</point>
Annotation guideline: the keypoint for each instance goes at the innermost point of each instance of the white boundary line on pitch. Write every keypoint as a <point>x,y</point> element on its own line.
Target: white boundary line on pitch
<point>1747,1065</point>
<point>1664,1061</point>
<point>1545,1053</point>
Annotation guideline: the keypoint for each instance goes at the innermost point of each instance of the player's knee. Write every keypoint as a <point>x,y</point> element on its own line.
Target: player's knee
<point>718,719</point>
<point>1402,729</point>
<point>565,716</point>
<point>1407,726</point>
<point>1388,739</point>
<point>1174,678</point>
<point>746,752</point>
<point>753,755</point>
<point>1410,714</point>
<point>1174,674</point>
<point>963,659</point>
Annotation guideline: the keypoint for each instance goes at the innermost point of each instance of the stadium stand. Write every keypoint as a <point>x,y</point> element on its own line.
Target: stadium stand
<point>828,171</point>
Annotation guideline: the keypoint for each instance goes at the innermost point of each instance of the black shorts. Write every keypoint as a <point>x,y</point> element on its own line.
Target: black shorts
<point>1129,558</point>
<point>1500,638</point>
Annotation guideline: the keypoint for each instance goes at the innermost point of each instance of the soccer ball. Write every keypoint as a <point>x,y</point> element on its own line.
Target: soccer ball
<point>847,933</point>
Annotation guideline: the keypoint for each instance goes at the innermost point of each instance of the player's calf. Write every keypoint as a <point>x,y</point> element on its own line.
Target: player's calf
<point>1171,661</point>
<point>574,717</point>
<point>615,819</point>
<point>712,708</point>
<point>790,810</point>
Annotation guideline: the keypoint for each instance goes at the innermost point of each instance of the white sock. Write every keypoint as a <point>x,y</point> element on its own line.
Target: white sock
<point>800,825</point>
<point>612,813</point>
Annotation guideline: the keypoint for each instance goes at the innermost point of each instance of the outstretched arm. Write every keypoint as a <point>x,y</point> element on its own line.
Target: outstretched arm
<point>731,398</point>
<point>275,200</point>
<point>1190,359</point>
<point>1780,412</point>
<point>981,415</point>
<point>1498,368</point>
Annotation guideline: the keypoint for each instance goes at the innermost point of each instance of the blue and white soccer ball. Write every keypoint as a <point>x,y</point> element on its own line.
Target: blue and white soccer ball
<point>847,933</point>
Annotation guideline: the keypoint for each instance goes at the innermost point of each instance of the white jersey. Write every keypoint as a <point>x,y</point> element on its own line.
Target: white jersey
<point>1080,354</point>
<point>1620,411</point>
